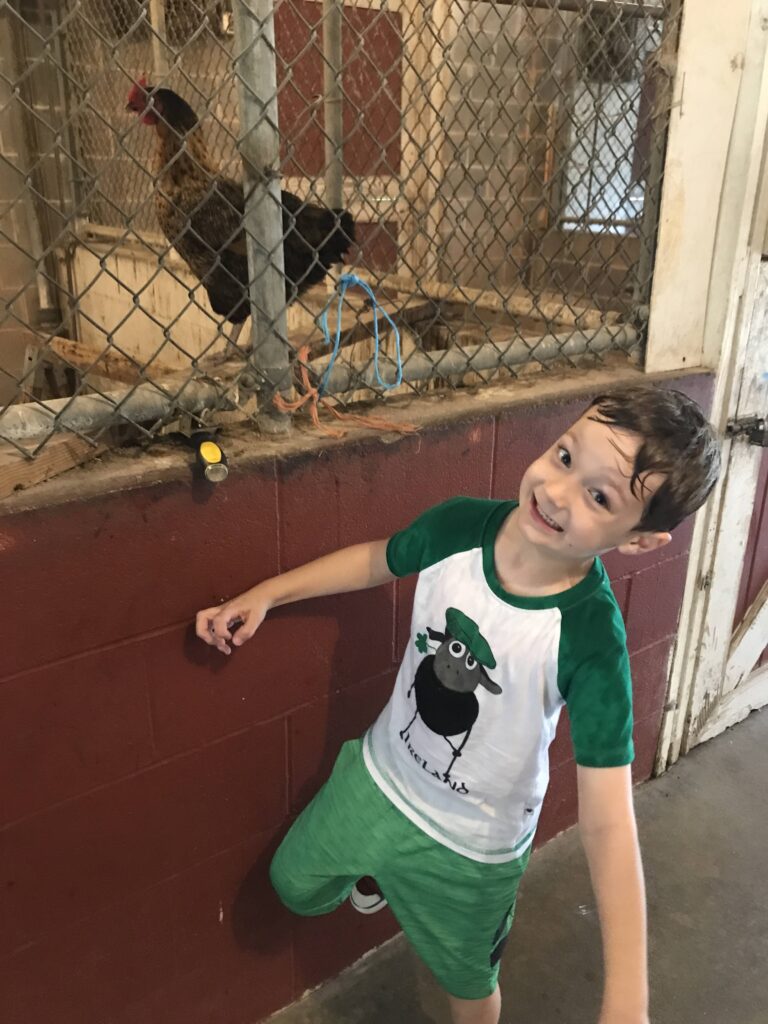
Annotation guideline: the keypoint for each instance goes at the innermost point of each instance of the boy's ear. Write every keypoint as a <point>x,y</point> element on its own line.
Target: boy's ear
<point>642,543</point>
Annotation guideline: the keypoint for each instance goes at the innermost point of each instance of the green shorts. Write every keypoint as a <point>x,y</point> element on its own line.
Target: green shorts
<point>456,912</point>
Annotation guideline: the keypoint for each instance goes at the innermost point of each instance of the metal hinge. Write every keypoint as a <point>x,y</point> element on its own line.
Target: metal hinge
<point>705,581</point>
<point>754,428</point>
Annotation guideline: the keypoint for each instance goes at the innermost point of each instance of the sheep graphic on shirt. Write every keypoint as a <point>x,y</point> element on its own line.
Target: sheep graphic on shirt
<point>446,681</point>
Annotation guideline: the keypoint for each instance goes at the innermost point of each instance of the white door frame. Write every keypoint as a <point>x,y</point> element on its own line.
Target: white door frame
<point>708,309</point>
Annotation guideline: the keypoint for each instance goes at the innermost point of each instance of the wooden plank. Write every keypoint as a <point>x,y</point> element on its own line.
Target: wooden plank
<point>546,306</point>
<point>749,640</point>
<point>698,676</point>
<point>104,361</point>
<point>744,393</point>
<point>359,323</point>
<point>18,471</point>
<point>700,211</point>
<point>750,696</point>
<point>720,585</point>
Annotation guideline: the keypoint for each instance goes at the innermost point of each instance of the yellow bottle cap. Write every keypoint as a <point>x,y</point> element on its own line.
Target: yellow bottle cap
<point>210,452</point>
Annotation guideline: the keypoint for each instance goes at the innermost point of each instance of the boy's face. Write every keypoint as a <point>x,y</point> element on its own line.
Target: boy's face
<point>575,500</point>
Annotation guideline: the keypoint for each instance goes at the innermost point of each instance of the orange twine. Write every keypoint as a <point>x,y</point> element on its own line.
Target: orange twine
<point>312,396</point>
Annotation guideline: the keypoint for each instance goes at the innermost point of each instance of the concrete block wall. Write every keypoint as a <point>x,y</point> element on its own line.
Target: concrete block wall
<point>507,101</point>
<point>488,153</point>
<point>145,780</point>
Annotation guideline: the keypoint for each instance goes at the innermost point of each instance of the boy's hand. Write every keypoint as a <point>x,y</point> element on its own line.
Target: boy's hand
<point>233,622</point>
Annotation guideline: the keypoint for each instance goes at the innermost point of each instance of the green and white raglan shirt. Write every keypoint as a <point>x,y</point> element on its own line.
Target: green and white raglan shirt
<point>461,747</point>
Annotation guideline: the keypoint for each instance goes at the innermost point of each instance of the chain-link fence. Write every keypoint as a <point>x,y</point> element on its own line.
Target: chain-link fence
<point>175,170</point>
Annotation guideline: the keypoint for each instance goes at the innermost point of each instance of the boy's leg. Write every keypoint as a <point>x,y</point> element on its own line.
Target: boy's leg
<point>456,913</point>
<point>476,1011</point>
<point>334,840</point>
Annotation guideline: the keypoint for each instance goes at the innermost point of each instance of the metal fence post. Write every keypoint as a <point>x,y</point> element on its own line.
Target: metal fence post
<point>259,145</point>
<point>333,108</point>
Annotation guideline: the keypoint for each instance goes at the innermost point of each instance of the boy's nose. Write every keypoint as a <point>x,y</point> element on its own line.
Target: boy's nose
<point>555,495</point>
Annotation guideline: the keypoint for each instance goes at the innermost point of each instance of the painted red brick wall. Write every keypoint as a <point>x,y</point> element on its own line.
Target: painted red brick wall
<point>372,83</point>
<point>145,781</point>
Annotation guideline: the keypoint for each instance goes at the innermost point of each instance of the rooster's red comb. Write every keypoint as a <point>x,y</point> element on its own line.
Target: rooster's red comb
<point>138,91</point>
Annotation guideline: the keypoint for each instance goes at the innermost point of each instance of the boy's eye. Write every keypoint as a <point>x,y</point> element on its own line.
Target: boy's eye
<point>600,498</point>
<point>563,455</point>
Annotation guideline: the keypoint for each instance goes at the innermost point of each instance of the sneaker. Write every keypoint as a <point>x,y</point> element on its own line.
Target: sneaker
<point>366,897</point>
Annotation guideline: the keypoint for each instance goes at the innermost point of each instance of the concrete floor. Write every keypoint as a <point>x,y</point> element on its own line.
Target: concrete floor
<point>704,832</point>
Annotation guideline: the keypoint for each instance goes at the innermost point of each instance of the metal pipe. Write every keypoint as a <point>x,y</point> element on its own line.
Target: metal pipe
<point>457,361</point>
<point>149,402</point>
<point>333,109</point>
<point>259,145</point>
<point>632,8</point>
<point>86,413</point>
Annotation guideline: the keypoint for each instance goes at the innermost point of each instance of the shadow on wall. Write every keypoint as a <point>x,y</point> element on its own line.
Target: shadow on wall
<point>322,946</point>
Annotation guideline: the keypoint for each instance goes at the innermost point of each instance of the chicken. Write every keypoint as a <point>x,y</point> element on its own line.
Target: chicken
<point>201,212</point>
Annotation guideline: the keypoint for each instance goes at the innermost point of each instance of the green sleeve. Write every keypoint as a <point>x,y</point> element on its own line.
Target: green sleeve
<point>596,684</point>
<point>443,530</point>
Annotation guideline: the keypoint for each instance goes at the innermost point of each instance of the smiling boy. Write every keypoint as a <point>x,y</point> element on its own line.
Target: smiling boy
<point>513,619</point>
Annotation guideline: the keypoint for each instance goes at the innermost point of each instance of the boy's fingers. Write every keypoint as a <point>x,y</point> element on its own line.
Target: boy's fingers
<point>226,625</point>
<point>203,621</point>
<point>241,634</point>
<point>211,625</point>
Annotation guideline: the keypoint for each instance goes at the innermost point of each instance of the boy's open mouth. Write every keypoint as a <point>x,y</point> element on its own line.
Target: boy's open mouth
<point>541,517</point>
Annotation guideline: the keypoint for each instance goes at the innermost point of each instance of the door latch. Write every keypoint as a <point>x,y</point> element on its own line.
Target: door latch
<point>754,428</point>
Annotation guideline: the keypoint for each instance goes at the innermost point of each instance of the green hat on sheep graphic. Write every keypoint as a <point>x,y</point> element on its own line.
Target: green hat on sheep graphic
<point>468,633</point>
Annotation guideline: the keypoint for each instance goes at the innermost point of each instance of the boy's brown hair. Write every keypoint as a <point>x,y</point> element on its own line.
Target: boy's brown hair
<point>678,442</point>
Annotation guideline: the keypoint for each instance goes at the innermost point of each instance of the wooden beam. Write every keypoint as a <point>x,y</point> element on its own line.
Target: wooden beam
<point>359,323</point>
<point>547,307</point>
<point>19,471</point>
<point>749,641</point>
<point>711,175</point>
<point>734,708</point>
<point>105,361</point>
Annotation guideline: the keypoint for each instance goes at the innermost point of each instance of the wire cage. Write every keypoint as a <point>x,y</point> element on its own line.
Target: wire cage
<point>186,187</point>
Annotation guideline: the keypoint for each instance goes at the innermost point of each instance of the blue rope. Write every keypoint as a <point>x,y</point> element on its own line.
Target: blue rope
<point>346,281</point>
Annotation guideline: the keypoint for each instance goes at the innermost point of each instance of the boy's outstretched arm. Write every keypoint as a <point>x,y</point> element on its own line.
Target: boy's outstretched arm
<point>354,568</point>
<point>609,835</point>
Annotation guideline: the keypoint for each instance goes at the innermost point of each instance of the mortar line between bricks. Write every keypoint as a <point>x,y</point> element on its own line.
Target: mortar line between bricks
<point>131,896</point>
<point>654,643</point>
<point>288,754</point>
<point>189,751</point>
<point>136,638</point>
<point>87,652</point>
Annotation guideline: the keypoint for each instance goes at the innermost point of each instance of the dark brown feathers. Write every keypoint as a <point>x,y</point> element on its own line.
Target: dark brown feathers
<point>201,213</point>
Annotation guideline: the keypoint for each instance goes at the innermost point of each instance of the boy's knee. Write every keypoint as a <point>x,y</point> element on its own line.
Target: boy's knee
<point>283,885</point>
<point>293,891</point>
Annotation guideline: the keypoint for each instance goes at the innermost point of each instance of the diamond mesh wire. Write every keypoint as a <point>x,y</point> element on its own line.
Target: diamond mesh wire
<point>501,162</point>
